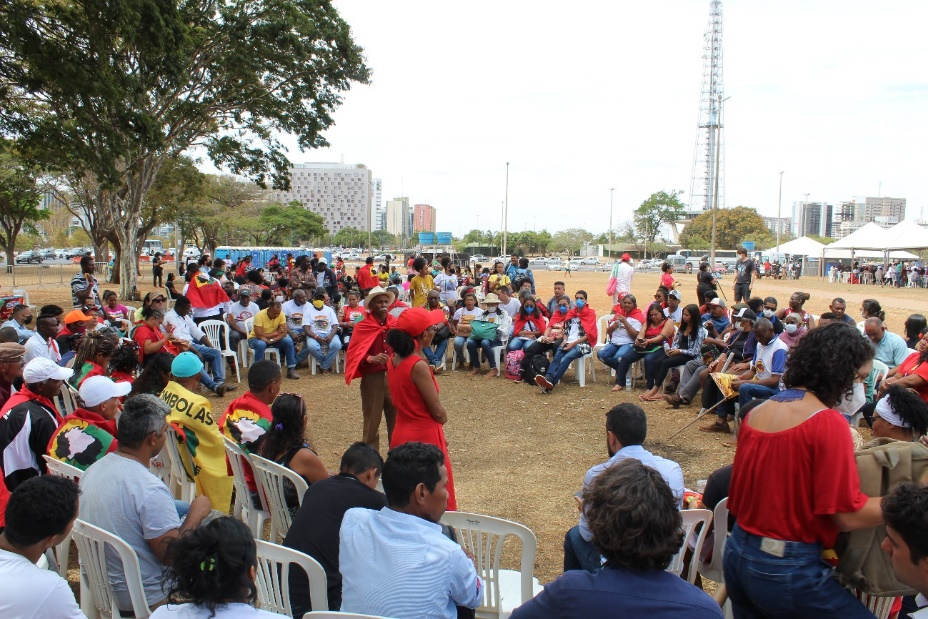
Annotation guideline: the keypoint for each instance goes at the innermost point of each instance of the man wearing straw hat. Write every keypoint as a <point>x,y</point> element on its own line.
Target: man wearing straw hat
<point>367,358</point>
<point>11,368</point>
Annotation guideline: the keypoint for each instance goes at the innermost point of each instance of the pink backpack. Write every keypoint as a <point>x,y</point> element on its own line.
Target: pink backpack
<point>514,364</point>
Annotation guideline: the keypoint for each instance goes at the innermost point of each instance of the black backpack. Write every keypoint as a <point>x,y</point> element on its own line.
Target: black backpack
<point>535,365</point>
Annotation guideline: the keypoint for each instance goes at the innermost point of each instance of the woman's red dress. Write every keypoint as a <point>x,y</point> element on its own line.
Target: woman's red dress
<point>413,420</point>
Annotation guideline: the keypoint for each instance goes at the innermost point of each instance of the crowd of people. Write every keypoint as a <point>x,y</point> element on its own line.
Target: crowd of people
<point>790,381</point>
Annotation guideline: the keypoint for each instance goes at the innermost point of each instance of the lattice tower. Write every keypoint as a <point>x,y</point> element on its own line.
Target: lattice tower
<point>711,125</point>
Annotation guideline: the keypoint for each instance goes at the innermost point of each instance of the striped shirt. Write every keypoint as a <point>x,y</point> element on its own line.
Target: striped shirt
<point>402,566</point>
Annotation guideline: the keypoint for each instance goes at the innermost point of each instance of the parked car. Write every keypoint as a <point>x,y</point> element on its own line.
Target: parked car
<point>554,264</point>
<point>351,256</point>
<point>61,254</point>
<point>590,261</point>
<point>47,254</point>
<point>538,262</point>
<point>575,263</point>
<point>28,257</point>
<point>479,258</point>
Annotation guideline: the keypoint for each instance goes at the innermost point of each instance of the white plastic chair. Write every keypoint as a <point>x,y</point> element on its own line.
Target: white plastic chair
<point>168,300</point>
<point>69,398</point>
<point>218,333</point>
<point>269,477</point>
<point>62,469</point>
<point>22,292</point>
<point>243,509</point>
<point>273,582</point>
<point>484,536</point>
<point>245,351</point>
<point>713,569</point>
<point>691,518</point>
<point>182,485</point>
<point>506,328</point>
<point>603,331</point>
<point>97,597</point>
<point>581,368</point>
<point>313,363</point>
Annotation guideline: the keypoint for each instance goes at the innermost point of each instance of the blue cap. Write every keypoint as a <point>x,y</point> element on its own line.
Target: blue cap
<point>185,365</point>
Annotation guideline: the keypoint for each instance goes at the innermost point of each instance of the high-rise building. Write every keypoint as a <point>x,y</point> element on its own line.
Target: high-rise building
<point>399,218</point>
<point>341,193</point>
<point>812,218</point>
<point>423,218</point>
<point>379,214</point>
<point>784,224</point>
<point>856,213</point>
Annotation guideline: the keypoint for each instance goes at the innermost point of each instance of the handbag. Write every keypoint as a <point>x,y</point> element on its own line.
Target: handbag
<point>611,286</point>
<point>483,330</point>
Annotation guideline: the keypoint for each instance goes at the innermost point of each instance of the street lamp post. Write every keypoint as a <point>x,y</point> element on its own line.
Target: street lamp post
<point>506,209</point>
<point>611,191</point>
<point>779,204</point>
<point>715,196</point>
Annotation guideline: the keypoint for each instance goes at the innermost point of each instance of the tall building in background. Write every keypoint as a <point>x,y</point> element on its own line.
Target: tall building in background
<point>858,212</point>
<point>379,214</point>
<point>813,218</point>
<point>423,218</point>
<point>399,218</point>
<point>340,192</point>
<point>707,158</point>
<point>783,223</point>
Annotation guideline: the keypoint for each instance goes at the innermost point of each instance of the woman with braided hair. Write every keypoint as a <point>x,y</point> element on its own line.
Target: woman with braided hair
<point>92,356</point>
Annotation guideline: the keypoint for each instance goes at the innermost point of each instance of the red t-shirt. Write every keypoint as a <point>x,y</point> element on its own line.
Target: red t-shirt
<point>910,366</point>
<point>786,485</point>
<point>143,333</point>
<point>667,281</point>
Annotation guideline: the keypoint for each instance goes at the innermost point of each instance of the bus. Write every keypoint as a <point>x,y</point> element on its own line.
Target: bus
<point>151,247</point>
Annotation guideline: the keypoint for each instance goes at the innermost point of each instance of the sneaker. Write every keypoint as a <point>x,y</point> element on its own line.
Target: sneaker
<point>291,373</point>
<point>436,369</point>
<point>717,427</point>
<point>543,382</point>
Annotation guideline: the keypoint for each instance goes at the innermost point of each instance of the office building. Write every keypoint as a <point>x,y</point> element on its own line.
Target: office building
<point>340,192</point>
<point>399,218</point>
<point>423,218</point>
<point>784,223</point>
<point>852,215</point>
<point>379,213</point>
<point>813,218</point>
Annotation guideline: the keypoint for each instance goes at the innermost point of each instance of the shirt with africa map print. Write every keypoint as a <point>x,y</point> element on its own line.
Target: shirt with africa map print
<point>205,455</point>
<point>82,438</point>
<point>246,420</point>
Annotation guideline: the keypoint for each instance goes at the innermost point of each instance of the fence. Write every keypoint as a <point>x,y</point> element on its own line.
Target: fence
<point>45,275</point>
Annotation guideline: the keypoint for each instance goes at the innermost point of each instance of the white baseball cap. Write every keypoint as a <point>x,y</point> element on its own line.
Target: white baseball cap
<point>98,389</point>
<point>40,369</point>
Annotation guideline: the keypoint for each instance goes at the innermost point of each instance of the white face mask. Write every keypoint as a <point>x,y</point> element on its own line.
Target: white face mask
<point>768,313</point>
<point>790,328</point>
<point>279,298</point>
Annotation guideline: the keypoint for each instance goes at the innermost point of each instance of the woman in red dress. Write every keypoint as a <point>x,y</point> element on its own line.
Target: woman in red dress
<point>420,415</point>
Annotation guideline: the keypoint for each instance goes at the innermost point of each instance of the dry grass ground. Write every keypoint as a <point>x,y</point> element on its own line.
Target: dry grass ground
<point>521,455</point>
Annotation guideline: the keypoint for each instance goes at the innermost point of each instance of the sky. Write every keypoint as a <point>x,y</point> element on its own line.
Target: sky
<point>586,96</point>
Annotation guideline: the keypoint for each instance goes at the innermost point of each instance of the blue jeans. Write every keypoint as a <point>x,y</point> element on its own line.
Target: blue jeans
<point>519,343</point>
<point>614,355</point>
<point>560,363</point>
<point>580,554</point>
<point>326,357</point>
<point>746,393</point>
<point>797,585</point>
<point>213,358</point>
<point>459,344</point>
<point>285,346</point>
<point>437,356</point>
<point>486,346</point>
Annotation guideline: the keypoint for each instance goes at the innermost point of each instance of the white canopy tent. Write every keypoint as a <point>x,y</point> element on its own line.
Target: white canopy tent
<point>871,236</point>
<point>798,247</point>
<point>871,241</point>
<point>907,234</point>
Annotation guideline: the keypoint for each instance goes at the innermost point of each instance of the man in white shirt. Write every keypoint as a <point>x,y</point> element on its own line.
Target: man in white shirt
<point>396,562</point>
<point>42,343</point>
<point>673,311</point>
<point>20,318</point>
<point>626,429</point>
<point>293,310</point>
<point>507,303</point>
<point>39,515</point>
<point>905,512</point>
<point>238,313</point>
<point>320,324</point>
<point>182,327</point>
<point>623,272</point>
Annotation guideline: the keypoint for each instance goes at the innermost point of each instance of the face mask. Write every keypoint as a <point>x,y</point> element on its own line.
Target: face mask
<point>580,303</point>
<point>790,328</point>
<point>318,303</point>
<point>279,298</point>
<point>740,327</point>
<point>28,320</point>
<point>768,313</point>
<point>530,309</point>
<point>562,309</point>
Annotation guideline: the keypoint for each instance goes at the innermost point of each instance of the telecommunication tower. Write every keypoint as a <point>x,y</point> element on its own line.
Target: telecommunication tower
<point>707,159</point>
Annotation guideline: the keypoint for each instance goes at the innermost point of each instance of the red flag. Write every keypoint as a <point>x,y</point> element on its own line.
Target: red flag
<point>205,292</point>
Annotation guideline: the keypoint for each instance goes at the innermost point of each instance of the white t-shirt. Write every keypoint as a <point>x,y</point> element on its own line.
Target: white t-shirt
<point>320,322</point>
<point>226,611</point>
<point>623,274</point>
<point>240,313</point>
<point>447,286</point>
<point>621,336</point>
<point>294,314</point>
<point>465,315</point>
<point>573,330</point>
<point>675,317</point>
<point>27,591</point>
<point>512,308</point>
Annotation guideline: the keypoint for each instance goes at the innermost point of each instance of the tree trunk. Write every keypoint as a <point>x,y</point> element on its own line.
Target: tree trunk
<point>8,250</point>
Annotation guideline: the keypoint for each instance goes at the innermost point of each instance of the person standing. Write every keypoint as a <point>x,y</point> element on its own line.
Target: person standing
<point>84,287</point>
<point>420,415</point>
<point>206,295</point>
<point>367,359</point>
<point>421,284</point>
<point>622,272</point>
<point>745,271</point>
<point>157,270</point>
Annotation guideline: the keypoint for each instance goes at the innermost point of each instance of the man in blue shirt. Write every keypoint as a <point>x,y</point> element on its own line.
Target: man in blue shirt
<point>891,349</point>
<point>635,520</point>
<point>626,429</point>
<point>716,319</point>
<point>396,562</point>
<point>20,317</point>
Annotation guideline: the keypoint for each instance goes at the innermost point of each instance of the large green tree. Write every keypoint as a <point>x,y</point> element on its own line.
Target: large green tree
<point>733,227</point>
<point>571,240</point>
<point>117,87</point>
<point>19,198</point>
<point>660,208</point>
<point>287,225</point>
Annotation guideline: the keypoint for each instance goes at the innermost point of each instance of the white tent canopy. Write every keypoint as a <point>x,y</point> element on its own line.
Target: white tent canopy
<point>907,235</point>
<point>798,247</point>
<point>871,236</point>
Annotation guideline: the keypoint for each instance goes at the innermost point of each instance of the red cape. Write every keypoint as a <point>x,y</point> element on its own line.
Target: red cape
<point>587,318</point>
<point>206,293</point>
<point>637,314</point>
<point>361,339</point>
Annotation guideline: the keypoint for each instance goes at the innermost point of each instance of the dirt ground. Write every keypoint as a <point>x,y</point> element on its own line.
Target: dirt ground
<point>522,455</point>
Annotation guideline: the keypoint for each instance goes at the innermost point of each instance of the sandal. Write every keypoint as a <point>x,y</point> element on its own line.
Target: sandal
<point>618,388</point>
<point>657,398</point>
